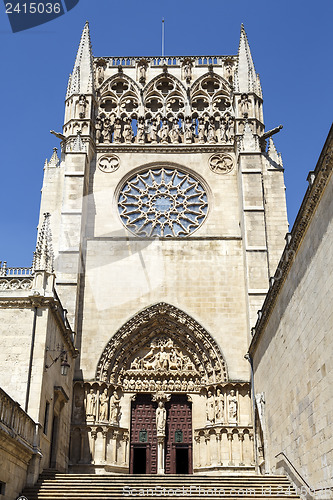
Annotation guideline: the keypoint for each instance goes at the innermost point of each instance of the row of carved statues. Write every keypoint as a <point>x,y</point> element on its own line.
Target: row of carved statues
<point>168,385</point>
<point>221,408</point>
<point>109,407</point>
<point>162,130</point>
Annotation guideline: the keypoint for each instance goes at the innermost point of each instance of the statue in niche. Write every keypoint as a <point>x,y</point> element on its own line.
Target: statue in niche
<point>164,131</point>
<point>188,130</point>
<point>244,105</point>
<point>98,128</point>
<point>171,385</point>
<point>82,106</point>
<point>174,132</point>
<point>190,385</point>
<point>103,406</point>
<point>128,131</point>
<point>196,384</point>
<point>125,383</point>
<point>117,131</point>
<point>211,134</point>
<point>165,385</point>
<point>91,404</point>
<point>210,408</point>
<point>184,385</point>
<point>201,130</point>
<point>152,385</point>
<point>158,385</point>
<point>228,72</point>
<point>131,384</point>
<point>140,133</point>
<point>160,419</point>
<point>153,131</point>
<point>107,130</point>
<point>219,406</point>
<point>145,385</point>
<point>223,125</point>
<point>178,385</point>
<point>138,385</point>
<point>142,71</point>
<point>100,74</point>
<point>232,407</point>
<point>230,129</point>
<point>114,407</point>
<point>187,71</point>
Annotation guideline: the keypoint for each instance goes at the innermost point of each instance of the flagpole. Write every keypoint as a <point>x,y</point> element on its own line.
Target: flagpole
<point>163,37</point>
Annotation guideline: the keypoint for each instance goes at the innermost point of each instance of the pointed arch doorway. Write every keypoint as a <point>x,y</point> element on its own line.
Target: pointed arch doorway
<point>177,447</point>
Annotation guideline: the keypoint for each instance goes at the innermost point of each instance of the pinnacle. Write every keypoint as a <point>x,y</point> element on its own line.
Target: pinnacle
<point>82,74</point>
<point>43,256</point>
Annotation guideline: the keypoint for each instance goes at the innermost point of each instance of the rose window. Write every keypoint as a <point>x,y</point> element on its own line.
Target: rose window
<point>162,202</point>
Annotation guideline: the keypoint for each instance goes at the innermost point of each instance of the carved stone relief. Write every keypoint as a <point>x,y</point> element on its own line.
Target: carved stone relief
<point>108,163</point>
<point>221,164</point>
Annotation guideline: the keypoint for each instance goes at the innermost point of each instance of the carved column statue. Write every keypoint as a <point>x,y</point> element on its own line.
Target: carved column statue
<point>128,131</point>
<point>117,131</point>
<point>211,134</point>
<point>201,130</point>
<point>98,128</point>
<point>82,106</point>
<point>114,408</point>
<point>140,134</point>
<point>103,406</point>
<point>160,429</point>
<point>91,404</point>
<point>219,406</point>
<point>232,408</point>
<point>210,408</point>
<point>188,130</point>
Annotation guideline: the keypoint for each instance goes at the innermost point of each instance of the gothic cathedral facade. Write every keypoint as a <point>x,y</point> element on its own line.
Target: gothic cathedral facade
<point>168,217</point>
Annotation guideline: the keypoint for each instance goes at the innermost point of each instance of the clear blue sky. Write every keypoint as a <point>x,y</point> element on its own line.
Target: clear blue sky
<point>291,43</point>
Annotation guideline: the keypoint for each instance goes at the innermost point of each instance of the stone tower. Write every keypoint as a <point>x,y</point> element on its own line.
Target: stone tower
<point>168,218</point>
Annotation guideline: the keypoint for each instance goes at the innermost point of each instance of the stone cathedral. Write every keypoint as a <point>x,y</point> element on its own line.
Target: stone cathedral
<point>161,224</point>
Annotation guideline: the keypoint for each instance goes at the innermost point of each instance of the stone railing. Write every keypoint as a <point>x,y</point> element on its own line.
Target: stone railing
<point>223,446</point>
<point>166,61</point>
<point>15,421</point>
<point>14,271</point>
<point>15,278</point>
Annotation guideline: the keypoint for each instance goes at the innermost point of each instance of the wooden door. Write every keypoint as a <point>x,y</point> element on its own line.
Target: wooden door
<point>143,436</point>
<point>179,436</point>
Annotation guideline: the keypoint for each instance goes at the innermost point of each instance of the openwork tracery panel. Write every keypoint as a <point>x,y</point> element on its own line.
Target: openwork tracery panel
<point>162,201</point>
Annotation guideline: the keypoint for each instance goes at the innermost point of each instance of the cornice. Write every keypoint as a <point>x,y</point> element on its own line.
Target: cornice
<point>319,180</point>
<point>164,148</point>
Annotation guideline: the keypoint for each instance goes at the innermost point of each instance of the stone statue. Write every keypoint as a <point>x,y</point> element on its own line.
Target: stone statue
<point>142,72</point>
<point>211,135</point>
<point>100,74</point>
<point>103,406</point>
<point>219,406</point>
<point>223,137</point>
<point>160,419</point>
<point>82,106</point>
<point>230,129</point>
<point>228,72</point>
<point>187,71</point>
<point>140,133</point>
<point>153,131</point>
<point>201,130</point>
<point>128,131</point>
<point>244,105</point>
<point>232,407</point>
<point>91,404</point>
<point>107,130</point>
<point>117,131</point>
<point>164,131</point>
<point>114,407</point>
<point>98,128</point>
<point>174,132</point>
<point>188,130</point>
<point>210,408</point>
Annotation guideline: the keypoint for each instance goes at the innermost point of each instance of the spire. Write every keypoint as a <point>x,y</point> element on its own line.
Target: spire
<point>54,160</point>
<point>81,80</point>
<point>246,78</point>
<point>273,154</point>
<point>43,256</point>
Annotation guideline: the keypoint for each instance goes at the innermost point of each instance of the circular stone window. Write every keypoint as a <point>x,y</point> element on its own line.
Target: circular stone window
<point>162,201</point>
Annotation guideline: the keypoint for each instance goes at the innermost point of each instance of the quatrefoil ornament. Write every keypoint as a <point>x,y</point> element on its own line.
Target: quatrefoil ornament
<point>108,163</point>
<point>221,164</point>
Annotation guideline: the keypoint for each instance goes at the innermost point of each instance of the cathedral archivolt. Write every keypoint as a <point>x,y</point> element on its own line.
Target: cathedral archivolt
<point>162,348</point>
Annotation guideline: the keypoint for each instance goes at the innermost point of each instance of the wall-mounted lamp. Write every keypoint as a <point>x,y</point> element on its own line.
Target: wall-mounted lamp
<point>64,365</point>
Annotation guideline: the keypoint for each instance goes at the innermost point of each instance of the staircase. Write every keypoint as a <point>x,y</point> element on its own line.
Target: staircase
<point>53,486</point>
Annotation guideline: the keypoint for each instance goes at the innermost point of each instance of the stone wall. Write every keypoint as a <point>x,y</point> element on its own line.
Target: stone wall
<point>292,349</point>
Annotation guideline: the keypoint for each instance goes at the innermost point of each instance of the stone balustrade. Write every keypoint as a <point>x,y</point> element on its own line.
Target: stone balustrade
<point>14,271</point>
<point>165,61</point>
<point>15,421</point>
<point>221,445</point>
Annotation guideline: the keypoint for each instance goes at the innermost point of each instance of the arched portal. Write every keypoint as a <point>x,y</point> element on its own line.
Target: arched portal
<point>167,343</point>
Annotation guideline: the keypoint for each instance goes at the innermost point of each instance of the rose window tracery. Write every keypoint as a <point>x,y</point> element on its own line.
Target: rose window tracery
<point>162,202</point>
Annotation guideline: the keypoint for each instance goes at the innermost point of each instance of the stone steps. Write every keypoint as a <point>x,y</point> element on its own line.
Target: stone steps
<point>55,486</point>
